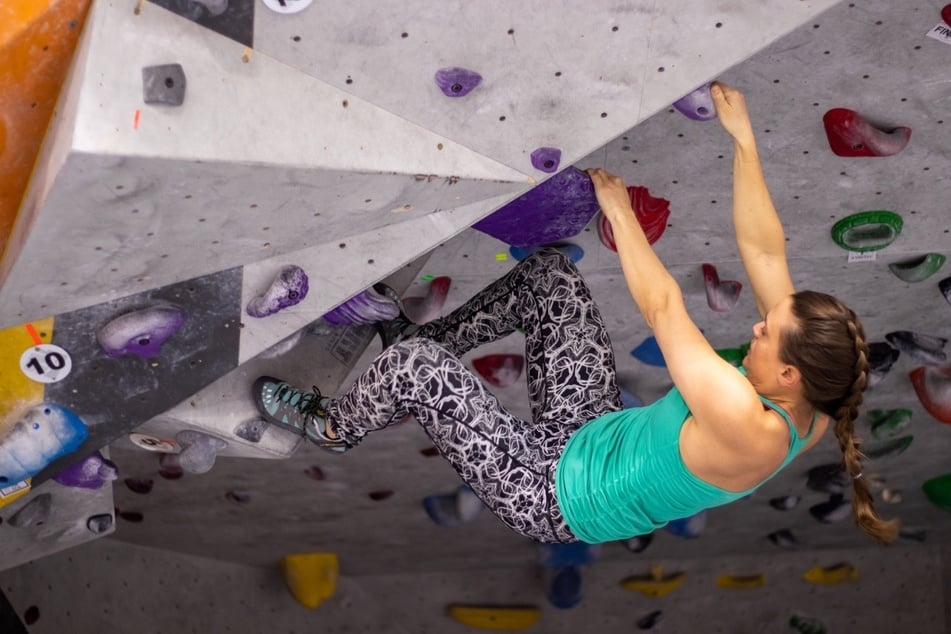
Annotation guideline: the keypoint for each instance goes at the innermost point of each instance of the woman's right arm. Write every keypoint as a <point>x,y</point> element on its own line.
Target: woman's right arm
<point>759,232</point>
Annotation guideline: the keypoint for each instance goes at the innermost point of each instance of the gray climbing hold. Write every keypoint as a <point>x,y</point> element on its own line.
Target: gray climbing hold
<point>99,524</point>
<point>251,430</point>
<point>34,513</point>
<point>164,84</point>
<point>198,450</point>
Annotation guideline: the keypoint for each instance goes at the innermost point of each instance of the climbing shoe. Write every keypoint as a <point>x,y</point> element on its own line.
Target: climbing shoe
<point>303,412</point>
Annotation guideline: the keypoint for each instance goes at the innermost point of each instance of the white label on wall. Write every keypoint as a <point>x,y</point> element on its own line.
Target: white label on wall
<point>46,363</point>
<point>941,32</point>
<point>867,256</point>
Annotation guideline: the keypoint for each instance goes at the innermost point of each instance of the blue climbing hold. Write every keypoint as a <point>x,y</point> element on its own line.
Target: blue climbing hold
<point>648,352</point>
<point>571,251</point>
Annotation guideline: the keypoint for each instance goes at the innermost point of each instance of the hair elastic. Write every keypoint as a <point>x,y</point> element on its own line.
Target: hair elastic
<point>858,476</point>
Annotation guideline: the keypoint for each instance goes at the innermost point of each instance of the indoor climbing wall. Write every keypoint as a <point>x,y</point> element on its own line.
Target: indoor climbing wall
<point>391,136</point>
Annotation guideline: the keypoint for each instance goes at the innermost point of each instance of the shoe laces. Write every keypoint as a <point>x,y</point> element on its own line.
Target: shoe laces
<point>309,403</point>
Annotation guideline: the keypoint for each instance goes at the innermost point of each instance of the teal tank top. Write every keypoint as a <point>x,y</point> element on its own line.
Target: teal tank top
<point>621,474</point>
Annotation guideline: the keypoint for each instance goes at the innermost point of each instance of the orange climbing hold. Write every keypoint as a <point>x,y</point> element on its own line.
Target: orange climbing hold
<point>839,573</point>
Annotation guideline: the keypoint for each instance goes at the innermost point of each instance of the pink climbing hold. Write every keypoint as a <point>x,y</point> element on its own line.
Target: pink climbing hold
<point>851,135</point>
<point>501,370</point>
<point>652,214</point>
<point>424,309</point>
<point>933,386</point>
<point>722,295</point>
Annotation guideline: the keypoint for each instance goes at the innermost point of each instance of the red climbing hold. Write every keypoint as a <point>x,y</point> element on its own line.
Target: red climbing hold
<point>946,14</point>
<point>501,370</point>
<point>423,309</point>
<point>851,135</point>
<point>652,214</point>
<point>933,386</point>
<point>722,295</point>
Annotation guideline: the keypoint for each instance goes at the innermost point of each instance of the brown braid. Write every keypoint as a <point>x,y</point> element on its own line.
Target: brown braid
<point>830,351</point>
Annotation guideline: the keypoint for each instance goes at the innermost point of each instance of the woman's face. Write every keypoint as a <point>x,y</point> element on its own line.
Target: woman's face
<point>762,362</point>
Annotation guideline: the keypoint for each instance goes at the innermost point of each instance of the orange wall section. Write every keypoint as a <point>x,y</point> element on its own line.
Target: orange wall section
<point>37,42</point>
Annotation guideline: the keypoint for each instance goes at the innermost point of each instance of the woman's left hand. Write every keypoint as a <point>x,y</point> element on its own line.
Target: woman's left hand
<point>611,192</point>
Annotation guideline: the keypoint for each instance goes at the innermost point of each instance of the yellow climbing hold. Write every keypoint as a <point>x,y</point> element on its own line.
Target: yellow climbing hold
<point>17,391</point>
<point>501,257</point>
<point>654,584</point>
<point>311,577</point>
<point>741,582</point>
<point>507,618</point>
<point>839,573</point>
<point>15,491</point>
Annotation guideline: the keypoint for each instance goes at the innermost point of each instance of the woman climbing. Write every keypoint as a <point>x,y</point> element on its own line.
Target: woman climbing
<point>583,468</point>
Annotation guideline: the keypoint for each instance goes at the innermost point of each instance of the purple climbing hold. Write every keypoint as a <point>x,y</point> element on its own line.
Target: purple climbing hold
<point>367,307</point>
<point>44,433</point>
<point>457,82</point>
<point>546,159</point>
<point>90,473</point>
<point>554,211</point>
<point>288,288</point>
<point>141,332</point>
<point>698,105</point>
<point>142,486</point>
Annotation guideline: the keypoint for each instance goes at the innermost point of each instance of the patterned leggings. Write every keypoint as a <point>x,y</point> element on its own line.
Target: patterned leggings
<point>509,463</point>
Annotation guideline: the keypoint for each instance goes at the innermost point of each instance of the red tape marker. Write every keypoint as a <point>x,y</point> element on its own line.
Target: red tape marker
<point>33,334</point>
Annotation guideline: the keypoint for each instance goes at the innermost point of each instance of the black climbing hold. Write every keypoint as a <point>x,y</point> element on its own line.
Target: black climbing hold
<point>164,84</point>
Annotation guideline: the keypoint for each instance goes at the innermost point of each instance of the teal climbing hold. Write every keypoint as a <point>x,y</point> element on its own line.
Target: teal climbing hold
<point>918,269</point>
<point>867,231</point>
<point>938,491</point>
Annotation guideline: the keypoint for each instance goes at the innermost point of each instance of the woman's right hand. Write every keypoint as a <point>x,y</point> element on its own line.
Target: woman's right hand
<point>732,112</point>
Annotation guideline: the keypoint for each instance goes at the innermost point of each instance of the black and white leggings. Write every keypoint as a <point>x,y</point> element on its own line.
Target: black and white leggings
<point>509,463</point>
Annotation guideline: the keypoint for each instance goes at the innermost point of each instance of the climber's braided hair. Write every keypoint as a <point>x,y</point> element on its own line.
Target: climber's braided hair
<point>830,352</point>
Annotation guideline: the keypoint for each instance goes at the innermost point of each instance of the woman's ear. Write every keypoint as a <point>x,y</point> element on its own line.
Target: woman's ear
<point>789,376</point>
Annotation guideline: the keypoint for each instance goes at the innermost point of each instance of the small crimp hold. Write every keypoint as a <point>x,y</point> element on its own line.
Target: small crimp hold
<point>164,84</point>
<point>457,82</point>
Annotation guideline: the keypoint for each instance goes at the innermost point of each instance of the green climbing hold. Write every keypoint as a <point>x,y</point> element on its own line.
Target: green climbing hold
<point>734,356</point>
<point>867,231</point>
<point>938,491</point>
<point>888,423</point>
<point>429,277</point>
<point>918,269</point>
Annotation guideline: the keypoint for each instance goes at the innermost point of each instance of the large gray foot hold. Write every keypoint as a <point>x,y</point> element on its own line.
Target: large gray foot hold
<point>35,513</point>
<point>163,84</point>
